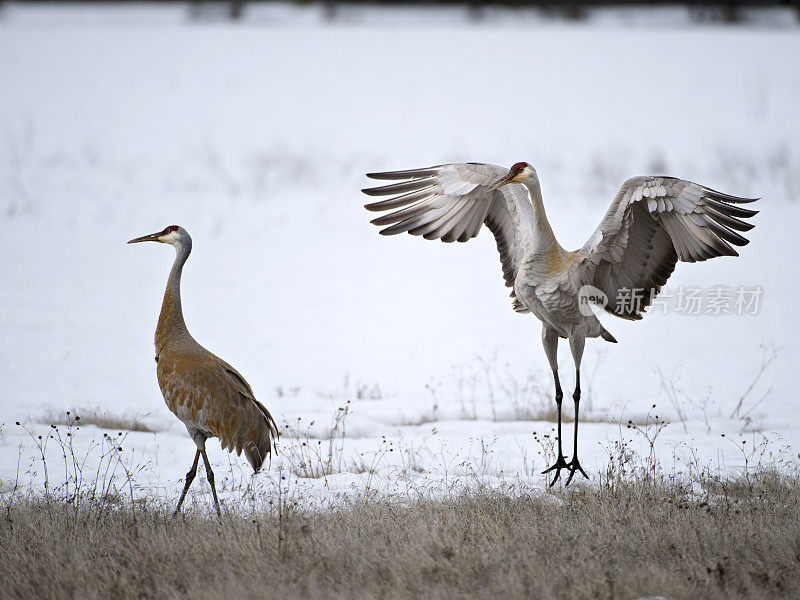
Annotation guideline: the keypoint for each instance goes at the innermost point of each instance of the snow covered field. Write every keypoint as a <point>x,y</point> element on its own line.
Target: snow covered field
<point>115,122</point>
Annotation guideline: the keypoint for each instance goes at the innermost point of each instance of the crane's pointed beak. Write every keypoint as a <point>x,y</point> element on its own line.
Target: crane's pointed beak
<point>152,237</point>
<point>503,180</point>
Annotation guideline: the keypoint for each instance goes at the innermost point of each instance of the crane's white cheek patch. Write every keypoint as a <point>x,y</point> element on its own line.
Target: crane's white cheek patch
<point>170,238</point>
<point>591,300</point>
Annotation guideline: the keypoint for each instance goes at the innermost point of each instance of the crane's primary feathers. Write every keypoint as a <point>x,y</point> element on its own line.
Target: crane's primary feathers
<point>652,223</point>
<point>452,202</point>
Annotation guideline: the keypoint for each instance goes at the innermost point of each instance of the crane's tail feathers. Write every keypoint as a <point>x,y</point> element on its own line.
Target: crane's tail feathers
<point>258,451</point>
<point>256,455</point>
<point>260,437</point>
<point>607,336</point>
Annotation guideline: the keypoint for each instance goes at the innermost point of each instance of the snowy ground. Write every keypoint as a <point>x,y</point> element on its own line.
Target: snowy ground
<point>115,122</point>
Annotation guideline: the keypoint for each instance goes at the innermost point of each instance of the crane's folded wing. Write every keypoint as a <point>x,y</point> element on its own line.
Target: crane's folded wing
<point>210,395</point>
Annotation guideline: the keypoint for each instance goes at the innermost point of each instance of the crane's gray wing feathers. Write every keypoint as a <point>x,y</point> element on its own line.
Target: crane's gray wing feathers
<point>652,223</point>
<point>451,203</point>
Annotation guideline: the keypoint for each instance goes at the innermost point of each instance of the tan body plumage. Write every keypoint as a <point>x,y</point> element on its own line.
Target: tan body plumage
<point>651,224</point>
<point>207,394</point>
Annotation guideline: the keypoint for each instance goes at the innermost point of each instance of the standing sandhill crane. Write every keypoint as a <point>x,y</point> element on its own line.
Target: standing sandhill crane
<point>652,223</point>
<point>206,393</point>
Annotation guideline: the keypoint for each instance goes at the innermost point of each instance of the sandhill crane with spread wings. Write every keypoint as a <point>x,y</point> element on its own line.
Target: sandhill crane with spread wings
<point>206,393</point>
<point>652,223</point>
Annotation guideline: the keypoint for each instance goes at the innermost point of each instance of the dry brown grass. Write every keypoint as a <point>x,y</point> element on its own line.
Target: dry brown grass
<point>732,539</point>
<point>100,418</point>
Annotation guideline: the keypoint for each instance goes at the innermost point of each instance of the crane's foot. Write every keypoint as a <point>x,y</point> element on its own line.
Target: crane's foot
<point>561,463</point>
<point>573,466</point>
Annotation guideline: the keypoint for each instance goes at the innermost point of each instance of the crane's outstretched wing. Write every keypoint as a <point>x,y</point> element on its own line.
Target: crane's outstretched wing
<point>451,203</point>
<point>652,223</point>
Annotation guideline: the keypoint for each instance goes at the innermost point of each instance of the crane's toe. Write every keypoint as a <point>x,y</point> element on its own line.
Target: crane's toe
<point>561,463</point>
<point>574,466</point>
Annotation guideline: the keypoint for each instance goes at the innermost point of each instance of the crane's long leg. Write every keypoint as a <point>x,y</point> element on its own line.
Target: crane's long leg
<point>189,478</point>
<point>576,346</point>
<point>550,343</point>
<point>210,477</point>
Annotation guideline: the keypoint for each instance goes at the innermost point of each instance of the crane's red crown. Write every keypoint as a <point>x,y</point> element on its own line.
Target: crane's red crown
<point>518,167</point>
<point>169,229</point>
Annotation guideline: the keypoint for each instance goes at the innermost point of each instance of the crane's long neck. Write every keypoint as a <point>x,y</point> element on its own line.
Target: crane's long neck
<point>544,239</point>
<point>171,326</point>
